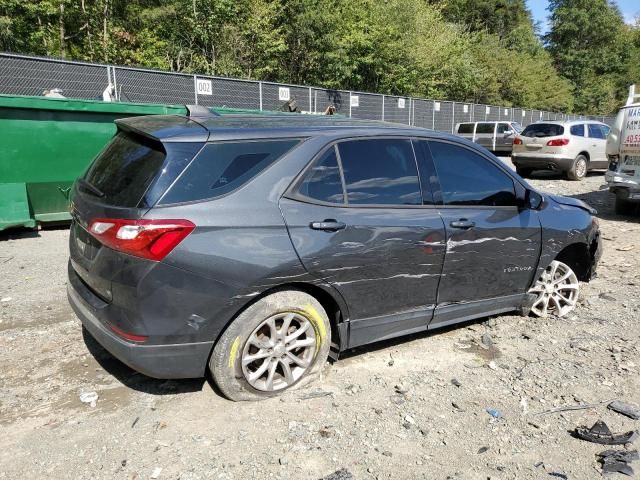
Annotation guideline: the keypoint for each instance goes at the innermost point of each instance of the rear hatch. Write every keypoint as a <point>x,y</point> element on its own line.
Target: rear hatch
<point>124,181</point>
<point>536,137</point>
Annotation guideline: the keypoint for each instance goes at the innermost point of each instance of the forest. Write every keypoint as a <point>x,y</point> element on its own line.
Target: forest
<point>484,51</point>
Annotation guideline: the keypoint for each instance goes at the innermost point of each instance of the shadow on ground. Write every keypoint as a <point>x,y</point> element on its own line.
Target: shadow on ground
<point>135,380</point>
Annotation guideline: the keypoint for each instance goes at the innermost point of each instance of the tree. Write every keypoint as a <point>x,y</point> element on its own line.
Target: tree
<point>589,45</point>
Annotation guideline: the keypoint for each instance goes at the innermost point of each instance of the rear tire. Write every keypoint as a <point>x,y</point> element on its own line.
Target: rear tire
<point>624,207</point>
<point>261,354</point>
<point>579,168</point>
<point>524,172</point>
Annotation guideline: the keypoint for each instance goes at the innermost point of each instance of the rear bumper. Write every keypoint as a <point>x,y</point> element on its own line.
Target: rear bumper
<point>185,360</point>
<point>545,161</point>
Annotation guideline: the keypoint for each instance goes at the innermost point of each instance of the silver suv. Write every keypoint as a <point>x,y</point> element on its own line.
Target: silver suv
<point>494,136</point>
<point>572,147</point>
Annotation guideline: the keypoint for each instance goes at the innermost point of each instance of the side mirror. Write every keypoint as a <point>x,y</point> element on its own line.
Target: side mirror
<point>533,200</point>
<point>509,133</point>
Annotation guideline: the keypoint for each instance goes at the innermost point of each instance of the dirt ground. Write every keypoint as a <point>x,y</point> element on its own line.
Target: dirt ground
<point>385,411</point>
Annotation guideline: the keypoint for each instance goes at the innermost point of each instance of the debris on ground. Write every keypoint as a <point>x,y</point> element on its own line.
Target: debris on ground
<point>626,409</point>
<point>618,461</point>
<point>456,382</point>
<point>494,412</point>
<point>315,394</point>
<point>156,473</point>
<point>89,397</point>
<point>600,433</point>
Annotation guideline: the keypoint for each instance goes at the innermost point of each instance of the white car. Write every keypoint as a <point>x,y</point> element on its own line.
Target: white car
<point>573,147</point>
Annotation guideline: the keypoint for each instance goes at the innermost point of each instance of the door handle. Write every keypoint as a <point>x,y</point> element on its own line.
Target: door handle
<point>328,225</point>
<point>462,223</point>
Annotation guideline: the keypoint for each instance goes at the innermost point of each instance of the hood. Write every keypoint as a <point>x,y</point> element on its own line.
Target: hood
<point>571,202</point>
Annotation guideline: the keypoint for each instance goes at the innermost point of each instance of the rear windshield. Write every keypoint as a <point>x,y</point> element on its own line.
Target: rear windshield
<point>465,128</point>
<point>223,167</point>
<point>543,130</point>
<point>133,171</point>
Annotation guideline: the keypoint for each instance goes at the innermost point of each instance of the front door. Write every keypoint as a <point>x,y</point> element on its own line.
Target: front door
<point>493,246</point>
<point>598,145</point>
<point>357,221</point>
<point>485,134</point>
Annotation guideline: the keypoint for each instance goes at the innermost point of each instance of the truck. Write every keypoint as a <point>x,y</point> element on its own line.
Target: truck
<point>623,153</point>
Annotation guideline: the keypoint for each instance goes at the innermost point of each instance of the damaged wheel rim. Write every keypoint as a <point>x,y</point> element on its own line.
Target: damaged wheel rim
<point>278,352</point>
<point>557,291</point>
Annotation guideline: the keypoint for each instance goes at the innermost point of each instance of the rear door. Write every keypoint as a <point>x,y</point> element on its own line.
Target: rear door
<point>359,220</point>
<point>492,245</point>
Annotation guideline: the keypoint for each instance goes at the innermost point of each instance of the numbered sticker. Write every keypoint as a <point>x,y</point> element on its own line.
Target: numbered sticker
<point>203,87</point>
<point>355,101</point>
<point>283,94</point>
<point>524,113</point>
<point>465,108</point>
<point>487,110</point>
<point>506,112</point>
<point>401,103</point>
<point>436,106</point>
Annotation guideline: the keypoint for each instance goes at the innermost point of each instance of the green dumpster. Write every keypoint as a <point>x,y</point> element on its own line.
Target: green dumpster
<point>46,143</point>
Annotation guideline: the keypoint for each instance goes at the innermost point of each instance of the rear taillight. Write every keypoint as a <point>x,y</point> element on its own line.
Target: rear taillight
<point>151,239</point>
<point>128,336</point>
<point>517,141</point>
<point>558,142</point>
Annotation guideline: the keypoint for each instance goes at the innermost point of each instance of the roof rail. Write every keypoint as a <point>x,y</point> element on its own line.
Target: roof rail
<point>633,96</point>
<point>200,111</point>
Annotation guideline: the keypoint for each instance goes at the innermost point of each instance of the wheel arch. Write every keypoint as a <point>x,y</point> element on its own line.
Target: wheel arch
<point>332,302</point>
<point>578,257</point>
<point>585,154</point>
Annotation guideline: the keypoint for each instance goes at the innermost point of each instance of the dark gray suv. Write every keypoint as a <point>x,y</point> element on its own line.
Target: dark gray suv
<point>257,246</point>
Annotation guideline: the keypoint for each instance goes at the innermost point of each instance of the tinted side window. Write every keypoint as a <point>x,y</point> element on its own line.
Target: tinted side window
<point>467,178</point>
<point>465,128</point>
<point>596,131</point>
<point>223,167</point>
<point>578,130</point>
<point>380,172</point>
<point>322,181</point>
<point>485,128</point>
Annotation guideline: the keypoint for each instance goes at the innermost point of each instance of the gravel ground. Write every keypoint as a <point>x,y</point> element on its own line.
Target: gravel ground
<point>386,411</point>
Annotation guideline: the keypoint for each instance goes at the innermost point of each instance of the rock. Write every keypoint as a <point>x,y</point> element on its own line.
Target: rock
<point>6,299</point>
<point>156,473</point>
<point>409,419</point>
<point>492,365</point>
<point>456,382</point>
<point>283,461</point>
<point>401,389</point>
<point>606,296</point>
<point>626,409</point>
<point>342,474</point>
<point>486,340</point>
<point>482,450</point>
<point>387,453</point>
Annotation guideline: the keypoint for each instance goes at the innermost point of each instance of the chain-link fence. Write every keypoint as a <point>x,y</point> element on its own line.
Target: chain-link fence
<point>28,75</point>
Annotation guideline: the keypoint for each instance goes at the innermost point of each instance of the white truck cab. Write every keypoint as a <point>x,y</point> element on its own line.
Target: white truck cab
<point>623,152</point>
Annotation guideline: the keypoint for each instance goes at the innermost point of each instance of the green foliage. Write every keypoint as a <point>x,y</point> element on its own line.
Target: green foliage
<point>466,50</point>
<point>592,48</point>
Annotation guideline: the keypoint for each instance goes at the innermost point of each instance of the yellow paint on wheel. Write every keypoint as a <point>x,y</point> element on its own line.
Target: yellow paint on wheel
<point>318,324</point>
<point>234,351</point>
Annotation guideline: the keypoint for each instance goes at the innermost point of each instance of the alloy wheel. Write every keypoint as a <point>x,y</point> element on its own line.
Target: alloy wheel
<point>557,291</point>
<point>279,351</point>
<point>581,168</point>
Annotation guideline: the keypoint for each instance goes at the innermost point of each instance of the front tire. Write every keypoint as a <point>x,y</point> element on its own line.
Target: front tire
<point>556,291</point>
<point>524,172</point>
<point>624,207</point>
<point>280,342</point>
<point>579,168</point>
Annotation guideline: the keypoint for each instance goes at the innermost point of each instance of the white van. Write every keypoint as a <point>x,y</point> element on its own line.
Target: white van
<point>623,152</point>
